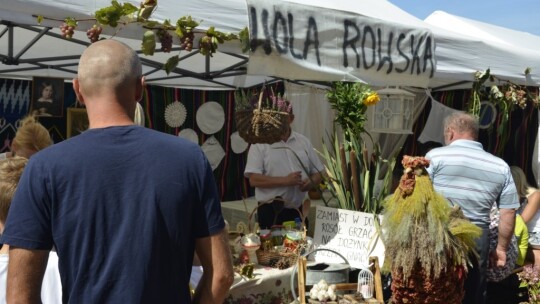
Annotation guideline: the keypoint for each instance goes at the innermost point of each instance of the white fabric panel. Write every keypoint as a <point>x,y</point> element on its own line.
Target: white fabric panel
<point>313,116</point>
<point>433,130</point>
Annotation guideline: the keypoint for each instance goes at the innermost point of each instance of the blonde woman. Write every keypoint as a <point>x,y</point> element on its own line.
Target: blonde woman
<point>530,207</point>
<point>30,138</point>
<point>51,289</point>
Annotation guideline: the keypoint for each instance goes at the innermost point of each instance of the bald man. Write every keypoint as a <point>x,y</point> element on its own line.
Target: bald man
<point>125,207</point>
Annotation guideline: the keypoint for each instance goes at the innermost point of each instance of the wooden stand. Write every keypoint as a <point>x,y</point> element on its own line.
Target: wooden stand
<point>375,269</point>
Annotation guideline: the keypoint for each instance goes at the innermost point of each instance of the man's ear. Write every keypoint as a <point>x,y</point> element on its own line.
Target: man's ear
<point>140,89</point>
<point>76,88</point>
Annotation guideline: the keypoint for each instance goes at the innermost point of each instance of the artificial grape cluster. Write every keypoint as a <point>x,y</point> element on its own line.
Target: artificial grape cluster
<point>208,45</point>
<point>93,33</point>
<point>186,41</point>
<point>166,40</point>
<point>67,30</point>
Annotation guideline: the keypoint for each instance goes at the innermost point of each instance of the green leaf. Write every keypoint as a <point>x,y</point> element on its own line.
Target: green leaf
<point>149,43</point>
<point>39,19</point>
<point>171,64</point>
<point>70,21</point>
<point>116,4</point>
<point>167,23</point>
<point>151,24</point>
<point>109,15</point>
<point>128,8</point>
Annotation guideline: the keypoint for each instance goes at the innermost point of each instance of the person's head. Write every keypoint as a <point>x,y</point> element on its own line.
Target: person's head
<point>30,138</point>
<point>10,173</point>
<point>47,90</point>
<point>460,125</point>
<point>520,179</point>
<point>109,76</point>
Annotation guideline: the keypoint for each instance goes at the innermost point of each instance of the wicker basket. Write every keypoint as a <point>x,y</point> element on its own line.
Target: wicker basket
<point>278,257</point>
<point>260,125</point>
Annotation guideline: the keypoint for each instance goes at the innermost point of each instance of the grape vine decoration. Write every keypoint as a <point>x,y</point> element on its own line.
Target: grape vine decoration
<point>120,14</point>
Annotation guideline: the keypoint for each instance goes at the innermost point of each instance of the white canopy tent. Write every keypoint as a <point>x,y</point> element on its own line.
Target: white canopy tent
<point>27,49</point>
<point>465,46</point>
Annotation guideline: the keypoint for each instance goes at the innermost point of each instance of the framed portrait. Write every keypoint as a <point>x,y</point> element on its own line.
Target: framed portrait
<point>77,121</point>
<point>47,97</point>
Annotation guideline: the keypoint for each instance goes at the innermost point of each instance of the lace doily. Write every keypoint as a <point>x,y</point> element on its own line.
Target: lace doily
<point>175,114</point>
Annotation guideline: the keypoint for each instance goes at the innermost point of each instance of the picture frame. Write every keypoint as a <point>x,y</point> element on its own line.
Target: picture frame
<point>77,121</point>
<point>47,97</point>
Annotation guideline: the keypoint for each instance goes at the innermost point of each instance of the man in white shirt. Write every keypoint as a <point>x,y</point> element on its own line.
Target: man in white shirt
<point>282,173</point>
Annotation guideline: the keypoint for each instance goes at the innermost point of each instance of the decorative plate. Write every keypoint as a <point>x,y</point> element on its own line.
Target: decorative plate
<point>190,135</point>
<point>210,117</point>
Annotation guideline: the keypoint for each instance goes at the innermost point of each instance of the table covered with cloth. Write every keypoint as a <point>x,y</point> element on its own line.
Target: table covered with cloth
<point>268,286</point>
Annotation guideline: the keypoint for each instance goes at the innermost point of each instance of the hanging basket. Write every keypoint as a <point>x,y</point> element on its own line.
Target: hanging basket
<point>260,125</point>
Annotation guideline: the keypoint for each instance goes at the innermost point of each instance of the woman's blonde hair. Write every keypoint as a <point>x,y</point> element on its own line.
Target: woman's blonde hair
<point>522,186</point>
<point>10,172</point>
<point>32,135</point>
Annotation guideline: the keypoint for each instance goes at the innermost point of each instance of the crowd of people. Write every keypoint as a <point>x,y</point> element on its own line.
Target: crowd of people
<point>113,217</point>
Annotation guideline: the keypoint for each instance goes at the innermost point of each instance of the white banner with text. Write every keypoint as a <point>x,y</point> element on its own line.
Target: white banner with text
<point>351,233</point>
<point>302,42</point>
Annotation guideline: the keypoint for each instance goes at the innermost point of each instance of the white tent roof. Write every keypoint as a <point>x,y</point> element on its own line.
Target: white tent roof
<point>225,70</point>
<point>460,50</point>
<point>465,46</point>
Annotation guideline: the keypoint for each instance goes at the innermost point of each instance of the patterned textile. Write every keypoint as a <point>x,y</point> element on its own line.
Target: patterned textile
<point>496,274</point>
<point>269,286</point>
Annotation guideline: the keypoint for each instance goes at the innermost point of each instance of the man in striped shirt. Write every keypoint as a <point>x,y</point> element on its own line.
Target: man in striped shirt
<point>472,178</point>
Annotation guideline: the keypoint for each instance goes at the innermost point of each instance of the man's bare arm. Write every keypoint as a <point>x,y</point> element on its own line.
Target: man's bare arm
<point>25,274</point>
<point>506,227</point>
<point>265,181</point>
<point>506,230</point>
<point>218,275</point>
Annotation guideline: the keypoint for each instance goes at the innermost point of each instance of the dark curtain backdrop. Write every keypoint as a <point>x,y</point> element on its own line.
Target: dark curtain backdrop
<point>230,172</point>
<point>516,148</point>
<point>15,99</point>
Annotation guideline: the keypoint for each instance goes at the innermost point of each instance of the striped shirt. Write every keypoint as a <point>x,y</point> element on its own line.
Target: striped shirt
<point>472,178</point>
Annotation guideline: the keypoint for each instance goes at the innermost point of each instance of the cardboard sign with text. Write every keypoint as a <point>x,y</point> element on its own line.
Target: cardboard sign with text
<point>351,233</point>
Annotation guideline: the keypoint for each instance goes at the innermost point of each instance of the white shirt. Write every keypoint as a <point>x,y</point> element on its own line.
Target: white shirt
<point>280,159</point>
<point>51,289</point>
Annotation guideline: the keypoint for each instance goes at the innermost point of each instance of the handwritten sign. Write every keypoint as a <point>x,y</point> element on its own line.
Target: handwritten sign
<point>351,233</point>
<point>305,42</point>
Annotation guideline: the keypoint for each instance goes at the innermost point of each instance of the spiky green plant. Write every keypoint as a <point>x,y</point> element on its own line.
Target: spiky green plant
<point>341,178</point>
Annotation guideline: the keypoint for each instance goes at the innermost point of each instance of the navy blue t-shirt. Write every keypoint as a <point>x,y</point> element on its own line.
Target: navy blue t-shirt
<point>122,206</point>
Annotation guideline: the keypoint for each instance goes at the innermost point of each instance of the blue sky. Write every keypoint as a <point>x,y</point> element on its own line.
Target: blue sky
<point>521,15</point>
